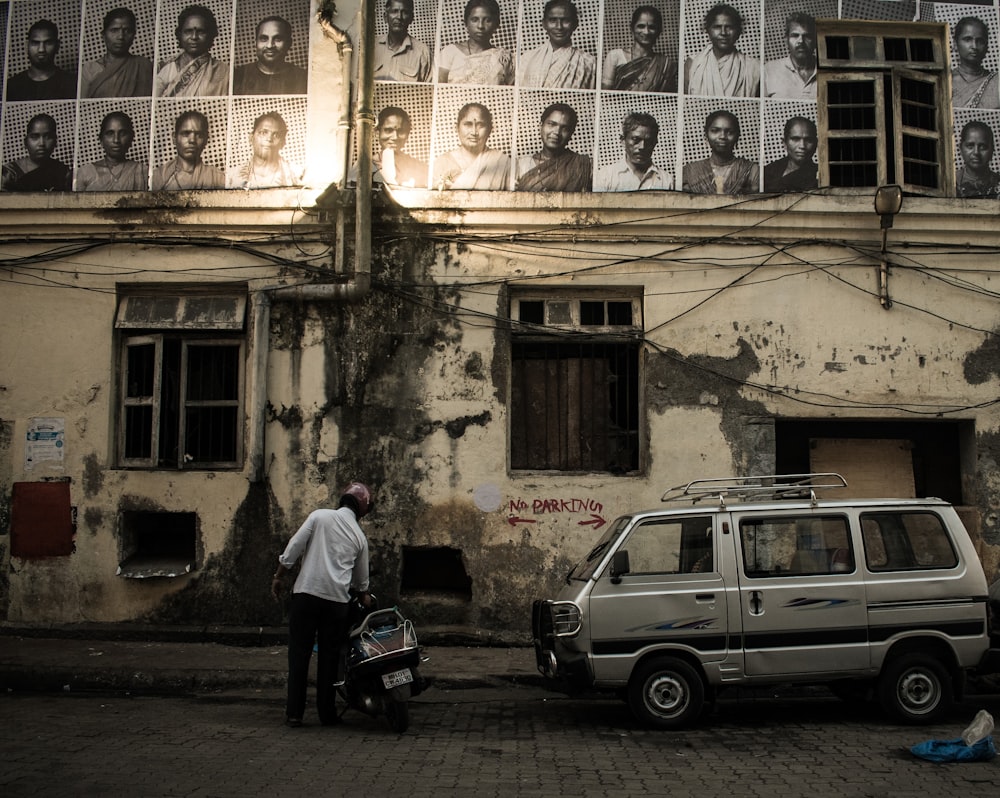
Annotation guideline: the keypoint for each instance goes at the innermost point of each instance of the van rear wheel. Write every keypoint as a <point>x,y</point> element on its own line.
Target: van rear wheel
<point>915,688</point>
<point>666,693</point>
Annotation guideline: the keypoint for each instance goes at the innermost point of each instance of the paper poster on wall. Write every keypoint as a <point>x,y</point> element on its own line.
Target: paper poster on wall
<point>45,442</point>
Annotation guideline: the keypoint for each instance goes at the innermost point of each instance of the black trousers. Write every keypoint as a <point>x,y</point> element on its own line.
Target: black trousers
<point>310,619</point>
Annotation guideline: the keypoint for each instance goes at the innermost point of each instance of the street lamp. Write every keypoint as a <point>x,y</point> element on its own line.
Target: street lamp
<point>888,202</point>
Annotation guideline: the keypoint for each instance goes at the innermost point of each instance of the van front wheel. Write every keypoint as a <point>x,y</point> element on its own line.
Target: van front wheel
<point>666,693</point>
<point>915,688</point>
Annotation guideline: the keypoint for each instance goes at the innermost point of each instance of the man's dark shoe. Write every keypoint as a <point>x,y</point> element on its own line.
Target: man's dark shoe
<point>293,723</point>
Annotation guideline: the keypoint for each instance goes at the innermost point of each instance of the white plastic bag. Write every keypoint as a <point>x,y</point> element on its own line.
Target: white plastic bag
<point>981,726</point>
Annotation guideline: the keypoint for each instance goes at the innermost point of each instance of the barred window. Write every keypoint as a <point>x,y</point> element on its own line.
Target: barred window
<point>884,111</point>
<point>181,382</point>
<point>574,400</point>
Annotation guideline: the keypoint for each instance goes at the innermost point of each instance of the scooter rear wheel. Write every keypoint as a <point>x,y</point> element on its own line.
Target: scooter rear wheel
<point>398,715</point>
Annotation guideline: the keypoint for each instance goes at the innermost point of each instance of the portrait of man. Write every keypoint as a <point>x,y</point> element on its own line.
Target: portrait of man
<point>38,170</point>
<point>271,73</point>
<point>555,167</point>
<point>794,76</point>
<point>975,179</point>
<point>796,171</point>
<point>266,168</point>
<point>194,71</point>
<point>114,172</point>
<point>187,170</point>
<point>42,80</point>
<point>972,85</point>
<point>117,73</point>
<point>636,171</point>
<point>398,56</point>
<point>557,64</point>
<point>394,166</point>
<point>722,70</point>
<point>722,172</point>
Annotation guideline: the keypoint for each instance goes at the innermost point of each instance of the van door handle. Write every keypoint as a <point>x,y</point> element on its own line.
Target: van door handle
<point>704,598</point>
<point>756,603</point>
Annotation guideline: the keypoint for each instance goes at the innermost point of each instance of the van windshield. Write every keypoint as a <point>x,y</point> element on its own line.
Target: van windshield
<point>584,569</point>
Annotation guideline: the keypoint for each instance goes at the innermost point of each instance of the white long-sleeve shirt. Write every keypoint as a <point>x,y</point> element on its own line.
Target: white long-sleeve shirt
<point>334,553</point>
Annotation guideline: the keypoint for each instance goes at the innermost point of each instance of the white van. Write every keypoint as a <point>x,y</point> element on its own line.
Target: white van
<point>758,581</point>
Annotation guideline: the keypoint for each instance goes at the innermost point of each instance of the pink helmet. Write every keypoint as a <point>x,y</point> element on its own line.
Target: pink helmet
<point>362,494</point>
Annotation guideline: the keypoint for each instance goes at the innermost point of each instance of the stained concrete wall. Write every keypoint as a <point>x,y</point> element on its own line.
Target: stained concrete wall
<point>408,388</point>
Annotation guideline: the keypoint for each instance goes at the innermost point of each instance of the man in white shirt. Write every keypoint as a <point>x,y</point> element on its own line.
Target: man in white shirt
<point>794,77</point>
<point>398,56</point>
<point>334,554</point>
<point>636,170</point>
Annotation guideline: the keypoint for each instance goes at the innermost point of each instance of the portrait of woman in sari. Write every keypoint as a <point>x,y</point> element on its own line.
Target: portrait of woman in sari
<point>476,60</point>
<point>972,85</point>
<point>473,165</point>
<point>640,68</point>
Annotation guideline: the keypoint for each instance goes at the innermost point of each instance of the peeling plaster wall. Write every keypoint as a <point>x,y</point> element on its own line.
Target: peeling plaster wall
<point>407,390</point>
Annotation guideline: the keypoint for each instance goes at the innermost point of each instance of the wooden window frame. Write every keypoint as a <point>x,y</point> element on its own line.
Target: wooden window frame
<point>570,445</point>
<point>876,69</point>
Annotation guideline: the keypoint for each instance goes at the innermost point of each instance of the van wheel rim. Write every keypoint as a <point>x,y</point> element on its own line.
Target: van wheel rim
<point>666,695</point>
<point>918,692</point>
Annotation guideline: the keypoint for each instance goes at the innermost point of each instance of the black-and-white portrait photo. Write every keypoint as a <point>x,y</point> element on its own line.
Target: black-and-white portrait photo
<point>643,57</point>
<point>473,154</point>
<point>399,53</point>
<point>554,166</point>
<point>116,169</point>
<point>42,61</point>
<point>41,162</point>
<point>724,170</point>
<point>187,155</point>
<point>401,142</point>
<point>481,51</point>
<point>976,173</point>
<point>116,61</point>
<point>974,82</point>
<point>724,60</point>
<point>793,76</point>
<point>795,170</point>
<point>197,64</point>
<point>271,54</point>
<point>563,60</point>
<point>640,167</point>
<point>270,155</point>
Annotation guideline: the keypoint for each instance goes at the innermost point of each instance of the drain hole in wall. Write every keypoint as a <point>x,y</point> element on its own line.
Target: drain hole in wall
<point>435,569</point>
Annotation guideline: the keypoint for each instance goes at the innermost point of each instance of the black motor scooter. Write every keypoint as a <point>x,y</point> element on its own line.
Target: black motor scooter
<point>382,666</point>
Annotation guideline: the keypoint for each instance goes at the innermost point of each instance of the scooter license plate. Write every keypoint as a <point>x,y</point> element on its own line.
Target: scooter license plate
<point>396,678</point>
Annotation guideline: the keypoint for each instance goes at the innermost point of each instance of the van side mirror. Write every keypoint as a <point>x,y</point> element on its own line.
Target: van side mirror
<point>619,566</point>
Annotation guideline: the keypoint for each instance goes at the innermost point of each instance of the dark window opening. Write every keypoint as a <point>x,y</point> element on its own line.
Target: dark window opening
<point>938,449</point>
<point>838,48</point>
<point>157,544</point>
<point>434,569</point>
<point>575,406</point>
<point>532,312</point>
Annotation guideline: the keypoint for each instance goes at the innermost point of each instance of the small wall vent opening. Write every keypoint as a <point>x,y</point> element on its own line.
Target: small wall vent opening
<point>157,544</point>
<point>435,569</point>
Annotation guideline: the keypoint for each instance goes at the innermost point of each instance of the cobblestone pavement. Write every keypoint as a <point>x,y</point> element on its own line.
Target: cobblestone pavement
<point>514,741</point>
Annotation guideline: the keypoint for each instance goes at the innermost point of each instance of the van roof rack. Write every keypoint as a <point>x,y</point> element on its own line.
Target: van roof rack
<point>760,488</point>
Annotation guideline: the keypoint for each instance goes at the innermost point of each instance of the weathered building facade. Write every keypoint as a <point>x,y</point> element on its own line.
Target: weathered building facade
<point>187,373</point>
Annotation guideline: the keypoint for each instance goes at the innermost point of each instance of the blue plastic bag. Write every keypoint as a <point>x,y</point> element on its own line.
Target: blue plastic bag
<point>955,750</point>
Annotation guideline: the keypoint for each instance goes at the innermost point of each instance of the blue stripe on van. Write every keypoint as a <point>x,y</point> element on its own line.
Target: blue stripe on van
<point>791,639</point>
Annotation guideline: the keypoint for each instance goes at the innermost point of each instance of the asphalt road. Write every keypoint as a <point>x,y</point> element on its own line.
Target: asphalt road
<point>513,741</point>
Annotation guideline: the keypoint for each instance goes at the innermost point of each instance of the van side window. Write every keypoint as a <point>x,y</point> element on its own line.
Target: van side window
<point>902,541</point>
<point>672,546</point>
<point>796,546</point>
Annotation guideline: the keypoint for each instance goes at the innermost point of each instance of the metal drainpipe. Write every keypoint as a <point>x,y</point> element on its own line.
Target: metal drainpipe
<point>360,284</point>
